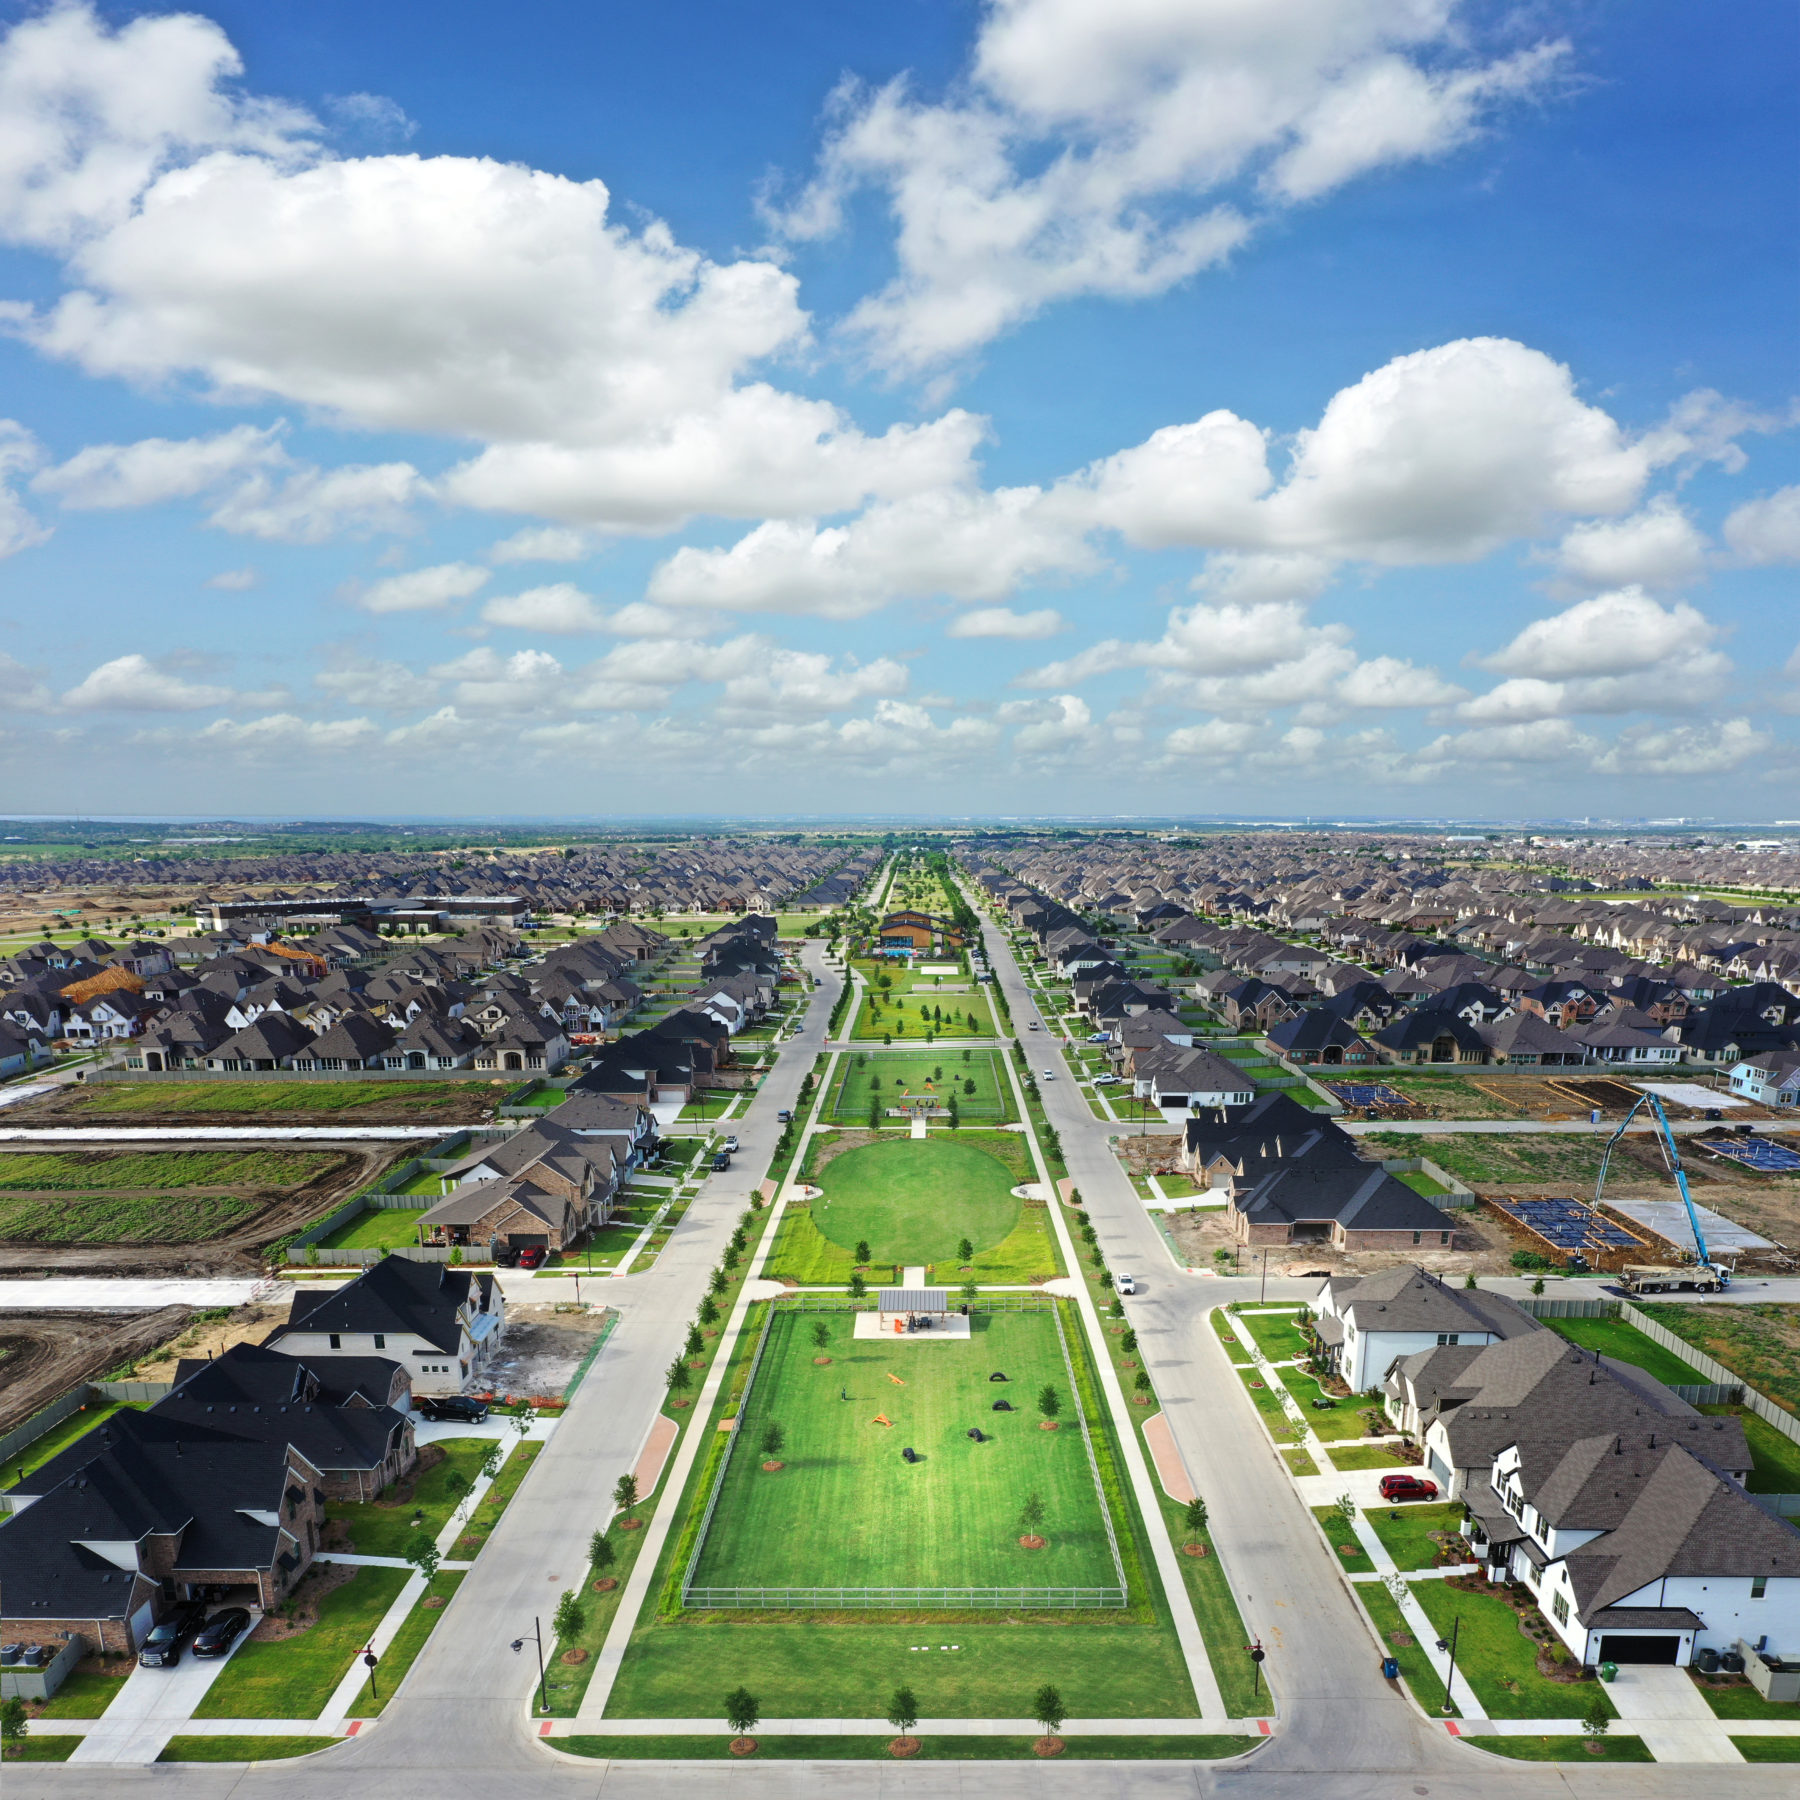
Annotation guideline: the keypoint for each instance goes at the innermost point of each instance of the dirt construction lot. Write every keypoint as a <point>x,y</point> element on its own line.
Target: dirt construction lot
<point>270,1102</point>
<point>544,1347</point>
<point>44,1354</point>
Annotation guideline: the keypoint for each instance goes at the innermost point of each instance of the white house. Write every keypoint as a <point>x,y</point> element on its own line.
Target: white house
<point>1639,1550</point>
<point>1367,1323</point>
<point>442,1324</point>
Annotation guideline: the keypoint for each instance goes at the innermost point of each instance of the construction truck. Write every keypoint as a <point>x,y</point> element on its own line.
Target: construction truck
<point>1703,1275</point>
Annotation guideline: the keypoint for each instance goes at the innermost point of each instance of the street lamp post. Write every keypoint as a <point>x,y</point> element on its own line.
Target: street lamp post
<point>1450,1673</point>
<point>518,1644</point>
<point>1262,1293</point>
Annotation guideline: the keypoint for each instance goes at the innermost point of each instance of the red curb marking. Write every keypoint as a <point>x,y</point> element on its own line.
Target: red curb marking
<point>544,1729</point>
<point>1262,1725</point>
<point>1450,1726</point>
<point>354,1727</point>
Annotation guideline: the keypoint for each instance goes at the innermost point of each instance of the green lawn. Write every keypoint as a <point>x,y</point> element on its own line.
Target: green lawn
<point>1198,1748</point>
<point>1499,1662</point>
<point>1776,1456</point>
<point>1299,1462</point>
<point>192,1747</point>
<point>56,1440</point>
<point>1404,1530</point>
<point>1739,1700</point>
<point>409,1640</point>
<point>1027,1253</point>
<point>1358,1561</point>
<point>85,1694</point>
<point>1366,1456</point>
<point>1421,1183</point>
<point>949,1520</point>
<point>1268,1402</point>
<point>118,1219</point>
<point>43,1749</point>
<point>1625,1343</point>
<point>1768,1749</point>
<point>1397,1641</point>
<point>382,1229</point>
<point>913,1199</point>
<point>921,1075</point>
<point>1276,1334</point>
<point>903,1017</point>
<point>506,1484</point>
<point>1234,1348</point>
<point>1330,1424</point>
<point>1569,1749</point>
<point>292,1679</point>
<point>382,1530</point>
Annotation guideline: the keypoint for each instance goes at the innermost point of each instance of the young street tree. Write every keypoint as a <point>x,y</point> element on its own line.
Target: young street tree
<point>773,1438</point>
<point>1048,1709</point>
<point>14,1723</point>
<point>696,1341</point>
<point>601,1552</point>
<point>422,1552</point>
<point>742,1711</point>
<point>821,1334</point>
<point>569,1617</point>
<point>625,1494</point>
<point>903,1711</point>
<point>1049,1401</point>
<point>679,1376</point>
<point>1193,1516</point>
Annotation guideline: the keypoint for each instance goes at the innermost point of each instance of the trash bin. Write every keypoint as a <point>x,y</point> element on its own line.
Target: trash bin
<point>1609,1671</point>
<point>1390,1667</point>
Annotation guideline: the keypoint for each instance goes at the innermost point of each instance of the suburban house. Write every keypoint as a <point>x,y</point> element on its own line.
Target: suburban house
<point>1318,1036</point>
<point>513,1213</point>
<point>1366,1323</point>
<point>1770,1079</point>
<point>1171,1075</point>
<point>150,1508</point>
<point>1615,1502</point>
<point>441,1324</point>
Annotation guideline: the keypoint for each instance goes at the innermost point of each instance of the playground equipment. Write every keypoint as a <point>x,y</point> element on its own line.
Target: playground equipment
<point>1702,1274</point>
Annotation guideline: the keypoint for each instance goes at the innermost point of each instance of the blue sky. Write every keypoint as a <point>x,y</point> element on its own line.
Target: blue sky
<point>1167,405</point>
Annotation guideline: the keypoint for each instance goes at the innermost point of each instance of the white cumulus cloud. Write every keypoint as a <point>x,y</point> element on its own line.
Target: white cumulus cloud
<point>133,683</point>
<point>560,608</point>
<point>423,590</point>
<point>1003,622</point>
<point>1766,530</point>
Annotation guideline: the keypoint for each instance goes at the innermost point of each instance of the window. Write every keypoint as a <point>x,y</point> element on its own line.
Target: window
<point>334,1341</point>
<point>1530,1571</point>
<point>1416,1237</point>
<point>1759,1585</point>
<point>1447,1337</point>
<point>1559,1608</point>
<point>381,1340</point>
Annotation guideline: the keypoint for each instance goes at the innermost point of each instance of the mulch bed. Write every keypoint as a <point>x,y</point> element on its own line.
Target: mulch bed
<point>904,1746</point>
<point>1048,1746</point>
<point>1032,1543</point>
<point>605,1584</point>
<point>574,1658</point>
<point>743,1746</point>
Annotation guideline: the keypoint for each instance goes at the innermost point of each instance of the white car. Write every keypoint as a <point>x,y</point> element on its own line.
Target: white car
<point>1104,1080</point>
<point>1049,1074</point>
<point>1126,1284</point>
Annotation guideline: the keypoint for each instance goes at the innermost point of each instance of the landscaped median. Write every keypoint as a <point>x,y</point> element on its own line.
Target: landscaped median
<point>958,1748</point>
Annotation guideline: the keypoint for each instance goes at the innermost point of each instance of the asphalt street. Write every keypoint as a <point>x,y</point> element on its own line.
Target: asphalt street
<point>461,1725</point>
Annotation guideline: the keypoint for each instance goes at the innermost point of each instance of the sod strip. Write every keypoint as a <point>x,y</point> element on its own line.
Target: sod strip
<point>675,1477</point>
<point>1181,1610</point>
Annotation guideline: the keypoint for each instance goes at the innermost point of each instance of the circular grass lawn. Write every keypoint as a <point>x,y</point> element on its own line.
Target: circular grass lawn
<point>915,1199</point>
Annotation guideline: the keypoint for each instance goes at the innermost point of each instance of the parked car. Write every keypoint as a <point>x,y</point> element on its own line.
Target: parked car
<point>1099,1037</point>
<point>506,1257</point>
<point>163,1647</point>
<point>1049,1074</point>
<point>1126,1284</point>
<point>721,1162</point>
<point>731,1142</point>
<point>221,1631</point>
<point>463,1409</point>
<point>1104,1080</point>
<point>784,1117</point>
<point>1408,1487</point>
<point>533,1256</point>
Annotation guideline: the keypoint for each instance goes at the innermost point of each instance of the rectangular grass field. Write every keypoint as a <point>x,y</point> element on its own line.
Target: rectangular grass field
<point>924,1075</point>
<point>846,1511</point>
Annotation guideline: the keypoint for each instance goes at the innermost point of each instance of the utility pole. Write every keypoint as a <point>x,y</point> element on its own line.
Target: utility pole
<point>1262,1293</point>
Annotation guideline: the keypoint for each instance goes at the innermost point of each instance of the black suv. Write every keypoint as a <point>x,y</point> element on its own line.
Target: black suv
<point>459,1407</point>
<point>163,1647</point>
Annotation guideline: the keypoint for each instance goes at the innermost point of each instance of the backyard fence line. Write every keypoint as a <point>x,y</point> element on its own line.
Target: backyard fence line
<point>45,1419</point>
<point>1087,1443</point>
<point>1709,1393</point>
<point>737,1426</point>
<point>1779,1506</point>
<point>1570,1309</point>
<point>1714,1371</point>
<point>139,1392</point>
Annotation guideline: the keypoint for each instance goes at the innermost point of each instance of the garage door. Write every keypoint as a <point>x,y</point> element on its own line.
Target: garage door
<point>1615,1647</point>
